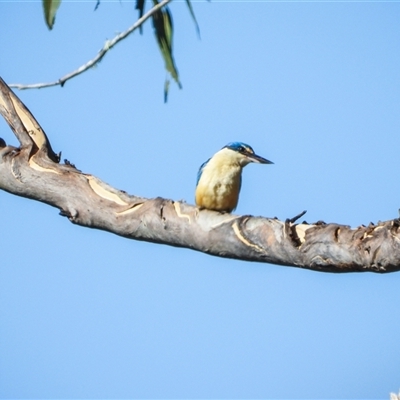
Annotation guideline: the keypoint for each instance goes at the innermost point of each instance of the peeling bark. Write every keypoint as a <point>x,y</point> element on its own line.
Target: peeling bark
<point>34,171</point>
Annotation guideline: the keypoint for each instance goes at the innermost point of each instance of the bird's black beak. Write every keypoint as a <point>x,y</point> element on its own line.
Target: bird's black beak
<point>258,159</point>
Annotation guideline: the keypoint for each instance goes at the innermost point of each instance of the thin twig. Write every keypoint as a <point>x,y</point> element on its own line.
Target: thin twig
<point>108,45</point>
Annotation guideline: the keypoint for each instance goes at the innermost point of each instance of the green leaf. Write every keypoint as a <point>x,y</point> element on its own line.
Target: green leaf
<point>50,8</point>
<point>163,29</point>
<point>140,7</point>
<point>166,89</point>
<point>189,4</point>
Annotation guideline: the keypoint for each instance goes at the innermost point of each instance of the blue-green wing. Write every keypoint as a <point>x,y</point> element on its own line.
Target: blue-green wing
<point>200,172</point>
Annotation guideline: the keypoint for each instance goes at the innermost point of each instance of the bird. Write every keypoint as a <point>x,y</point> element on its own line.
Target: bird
<point>219,179</point>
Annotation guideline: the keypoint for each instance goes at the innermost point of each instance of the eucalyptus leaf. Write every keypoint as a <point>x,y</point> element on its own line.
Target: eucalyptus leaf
<point>163,29</point>
<point>189,4</point>
<point>50,8</point>
<point>166,89</point>
<point>140,6</point>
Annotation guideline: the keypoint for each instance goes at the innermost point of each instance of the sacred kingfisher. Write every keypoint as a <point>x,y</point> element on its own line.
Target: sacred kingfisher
<point>219,178</point>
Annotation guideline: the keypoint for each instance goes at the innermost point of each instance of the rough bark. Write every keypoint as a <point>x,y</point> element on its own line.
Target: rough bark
<point>34,171</point>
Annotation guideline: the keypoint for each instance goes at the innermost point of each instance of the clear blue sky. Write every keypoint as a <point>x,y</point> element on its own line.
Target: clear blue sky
<point>312,86</point>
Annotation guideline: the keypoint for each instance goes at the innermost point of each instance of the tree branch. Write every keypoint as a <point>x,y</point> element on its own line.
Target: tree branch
<point>108,45</point>
<point>27,130</point>
<point>87,201</point>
